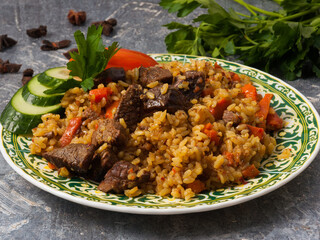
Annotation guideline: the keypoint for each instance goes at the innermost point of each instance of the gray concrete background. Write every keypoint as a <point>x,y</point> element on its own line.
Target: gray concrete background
<point>26,212</point>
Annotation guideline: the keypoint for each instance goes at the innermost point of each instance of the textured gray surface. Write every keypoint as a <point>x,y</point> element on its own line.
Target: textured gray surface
<point>26,212</point>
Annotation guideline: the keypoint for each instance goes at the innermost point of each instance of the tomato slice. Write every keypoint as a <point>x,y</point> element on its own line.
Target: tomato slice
<point>129,59</point>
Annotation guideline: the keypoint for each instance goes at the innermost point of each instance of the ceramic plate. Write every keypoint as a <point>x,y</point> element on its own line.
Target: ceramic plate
<point>300,135</point>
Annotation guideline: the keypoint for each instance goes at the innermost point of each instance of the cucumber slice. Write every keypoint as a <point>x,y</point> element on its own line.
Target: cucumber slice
<point>54,76</point>
<point>20,116</point>
<point>33,93</point>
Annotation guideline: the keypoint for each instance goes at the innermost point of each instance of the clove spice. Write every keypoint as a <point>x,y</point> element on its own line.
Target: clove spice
<point>67,54</point>
<point>27,75</point>
<point>6,42</point>
<point>7,67</point>
<point>77,18</point>
<point>49,46</point>
<point>37,32</point>
<point>107,25</point>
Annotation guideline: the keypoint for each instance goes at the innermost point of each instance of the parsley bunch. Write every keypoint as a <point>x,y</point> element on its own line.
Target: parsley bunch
<point>92,58</point>
<point>287,41</point>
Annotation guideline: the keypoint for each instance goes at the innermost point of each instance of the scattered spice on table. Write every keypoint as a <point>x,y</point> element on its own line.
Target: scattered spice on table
<point>67,54</point>
<point>49,46</point>
<point>107,25</point>
<point>77,18</point>
<point>112,21</point>
<point>6,42</point>
<point>7,67</point>
<point>37,32</point>
<point>27,75</point>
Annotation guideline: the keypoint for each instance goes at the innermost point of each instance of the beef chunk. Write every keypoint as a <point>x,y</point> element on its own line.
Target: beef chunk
<point>130,107</point>
<point>171,101</point>
<point>113,74</point>
<point>75,157</point>
<point>152,74</point>
<point>111,132</point>
<point>102,162</point>
<point>196,83</point>
<point>89,114</point>
<point>116,178</point>
<point>229,116</point>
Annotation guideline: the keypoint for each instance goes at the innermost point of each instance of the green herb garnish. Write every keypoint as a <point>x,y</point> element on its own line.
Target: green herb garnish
<point>92,58</point>
<point>287,41</point>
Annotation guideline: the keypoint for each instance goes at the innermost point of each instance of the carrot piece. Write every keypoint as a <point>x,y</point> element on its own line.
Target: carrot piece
<point>256,131</point>
<point>70,131</point>
<point>197,186</point>
<point>110,108</point>
<point>264,106</point>
<point>52,166</point>
<point>250,91</point>
<point>207,91</point>
<point>216,65</point>
<point>100,93</point>
<point>211,133</point>
<point>274,122</point>
<point>250,172</point>
<point>208,126</point>
<point>218,110</point>
<point>235,77</point>
<point>229,157</point>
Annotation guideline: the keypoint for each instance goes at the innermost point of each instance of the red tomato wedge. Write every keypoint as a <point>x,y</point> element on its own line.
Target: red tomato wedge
<point>129,59</point>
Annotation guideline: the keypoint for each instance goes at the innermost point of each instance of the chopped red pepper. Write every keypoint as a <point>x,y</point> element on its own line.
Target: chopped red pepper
<point>250,172</point>
<point>110,108</point>
<point>274,122</point>
<point>70,131</point>
<point>250,91</point>
<point>197,186</point>
<point>264,106</point>
<point>100,93</point>
<point>211,133</point>
<point>218,110</point>
<point>256,131</point>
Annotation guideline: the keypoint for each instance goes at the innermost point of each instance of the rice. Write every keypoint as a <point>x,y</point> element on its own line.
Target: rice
<point>175,148</point>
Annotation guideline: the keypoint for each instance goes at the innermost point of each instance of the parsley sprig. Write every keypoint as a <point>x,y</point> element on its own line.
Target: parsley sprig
<point>92,58</point>
<point>286,42</point>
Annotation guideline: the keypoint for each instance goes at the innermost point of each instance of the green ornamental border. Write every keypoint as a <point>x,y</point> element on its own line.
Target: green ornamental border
<point>300,134</point>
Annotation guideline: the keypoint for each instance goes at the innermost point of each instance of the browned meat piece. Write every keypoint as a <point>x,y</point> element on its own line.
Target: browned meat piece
<point>75,157</point>
<point>195,82</point>
<point>130,107</point>
<point>111,132</point>
<point>229,116</point>
<point>89,114</point>
<point>171,101</point>
<point>152,74</point>
<point>113,74</point>
<point>116,178</point>
<point>27,75</point>
<point>102,162</point>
